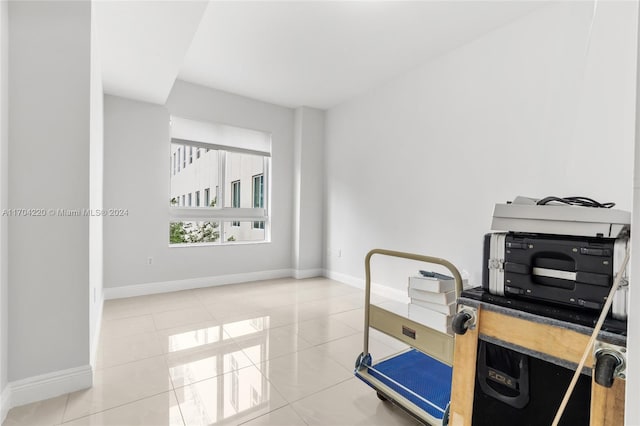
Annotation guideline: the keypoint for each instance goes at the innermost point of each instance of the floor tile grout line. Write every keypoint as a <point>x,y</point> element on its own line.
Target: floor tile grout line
<point>272,411</point>
<point>311,346</point>
<point>314,302</point>
<point>164,355</point>
<point>117,406</point>
<point>299,415</point>
<point>319,390</point>
<point>175,395</point>
<point>152,313</point>
<point>152,310</point>
<point>217,376</point>
<point>66,404</point>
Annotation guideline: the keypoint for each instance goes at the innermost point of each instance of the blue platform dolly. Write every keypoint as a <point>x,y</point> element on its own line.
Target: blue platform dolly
<point>419,379</point>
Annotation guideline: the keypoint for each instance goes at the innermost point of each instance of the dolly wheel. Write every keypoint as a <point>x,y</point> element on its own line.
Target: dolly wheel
<point>381,397</point>
<point>460,322</point>
<point>606,364</point>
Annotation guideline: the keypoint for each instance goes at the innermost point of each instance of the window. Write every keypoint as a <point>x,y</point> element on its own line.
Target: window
<point>235,198</point>
<point>228,159</point>
<point>258,197</point>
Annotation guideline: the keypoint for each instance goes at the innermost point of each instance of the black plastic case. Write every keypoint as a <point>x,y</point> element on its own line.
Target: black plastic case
<point>573,271</point>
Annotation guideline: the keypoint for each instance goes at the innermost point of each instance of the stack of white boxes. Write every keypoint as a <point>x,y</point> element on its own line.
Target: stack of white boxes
<point>433,302</point>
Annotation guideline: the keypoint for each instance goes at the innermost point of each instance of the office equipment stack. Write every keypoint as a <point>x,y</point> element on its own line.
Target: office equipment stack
<point>433,301</point>
<point>557,254</point>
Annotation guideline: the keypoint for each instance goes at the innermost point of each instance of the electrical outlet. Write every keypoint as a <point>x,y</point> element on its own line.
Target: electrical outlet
<point>339,253</point>
<point>149,260</point>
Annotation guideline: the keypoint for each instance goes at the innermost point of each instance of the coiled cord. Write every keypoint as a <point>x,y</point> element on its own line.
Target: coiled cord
<point>575,201</point>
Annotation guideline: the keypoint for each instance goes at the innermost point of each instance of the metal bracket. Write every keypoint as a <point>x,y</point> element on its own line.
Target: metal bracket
<point>496,264</point>
<point>620,352</point>
<point>473,313</point>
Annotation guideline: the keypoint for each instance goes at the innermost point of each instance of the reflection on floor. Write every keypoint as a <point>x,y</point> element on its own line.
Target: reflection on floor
<point>277,352</point>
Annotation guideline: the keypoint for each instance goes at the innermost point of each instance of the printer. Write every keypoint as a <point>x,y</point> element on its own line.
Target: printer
<point>557,254</point>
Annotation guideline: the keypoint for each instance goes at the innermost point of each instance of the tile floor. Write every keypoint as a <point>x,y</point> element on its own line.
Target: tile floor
<point>277,352</point>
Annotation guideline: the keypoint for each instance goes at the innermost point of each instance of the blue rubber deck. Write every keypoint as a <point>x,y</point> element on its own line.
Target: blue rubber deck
<point>420,373</point>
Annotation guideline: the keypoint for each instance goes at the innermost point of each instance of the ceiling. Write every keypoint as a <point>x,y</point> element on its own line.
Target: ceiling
<point>295,53</point>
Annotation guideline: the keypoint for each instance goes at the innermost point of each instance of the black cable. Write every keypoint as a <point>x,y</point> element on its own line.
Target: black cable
<point>575,201</point>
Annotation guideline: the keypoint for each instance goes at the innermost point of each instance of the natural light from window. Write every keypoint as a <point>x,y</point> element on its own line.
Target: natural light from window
<point>219,184</point>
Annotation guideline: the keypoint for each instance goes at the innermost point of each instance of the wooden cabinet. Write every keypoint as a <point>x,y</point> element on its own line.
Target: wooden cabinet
<point>554,340</point>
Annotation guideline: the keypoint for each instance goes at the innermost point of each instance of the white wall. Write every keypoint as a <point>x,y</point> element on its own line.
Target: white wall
<point>539,107</point>
<point>49,78</point>
<point>632,410</point>
<point>4,196</point>
<point>136,136</point>
<point>96,172</point>
<point>308,169</point>
<point>137,178</point>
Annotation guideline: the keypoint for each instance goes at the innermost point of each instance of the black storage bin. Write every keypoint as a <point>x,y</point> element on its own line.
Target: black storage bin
<point>514,389</point>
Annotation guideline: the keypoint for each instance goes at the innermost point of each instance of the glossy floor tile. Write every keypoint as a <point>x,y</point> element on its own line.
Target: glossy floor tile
<point>285,416</point>
<point>230,399</point>
<point>157,410</point>
<point>47,412</point>
<point>277,352</point>
<point>121,350</point>
<point>114,386</point>
<point>303,373</point>
<point>350,403</point>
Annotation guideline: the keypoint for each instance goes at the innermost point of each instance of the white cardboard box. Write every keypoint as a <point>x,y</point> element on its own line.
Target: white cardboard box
<point>431,319</point>
<point>435,320</point>
<point>449,309</point>
<point>428,296</point>
<point>434,285</point>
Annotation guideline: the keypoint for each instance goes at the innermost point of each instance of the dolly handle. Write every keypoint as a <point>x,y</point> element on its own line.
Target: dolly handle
<point>411,256</point>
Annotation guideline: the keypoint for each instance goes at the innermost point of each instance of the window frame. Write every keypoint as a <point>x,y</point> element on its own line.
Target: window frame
<point>219,213</point>
<point>235,199</point>
<point>257,224</point>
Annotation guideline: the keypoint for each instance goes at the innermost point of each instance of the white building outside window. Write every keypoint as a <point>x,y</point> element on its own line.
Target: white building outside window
<point>227,159</point>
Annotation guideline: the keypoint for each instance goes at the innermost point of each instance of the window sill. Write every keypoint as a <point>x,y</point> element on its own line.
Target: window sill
<point>226,244</point>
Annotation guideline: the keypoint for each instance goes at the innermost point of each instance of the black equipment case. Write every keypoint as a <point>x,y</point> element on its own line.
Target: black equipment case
<point>566,270</point>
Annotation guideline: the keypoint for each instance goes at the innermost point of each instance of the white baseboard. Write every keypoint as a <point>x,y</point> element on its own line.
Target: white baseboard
<point>50,385</point>
<point>188,284</point>
<point>5,401</point>
<point>300,274</point>
<point>377,289</point>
